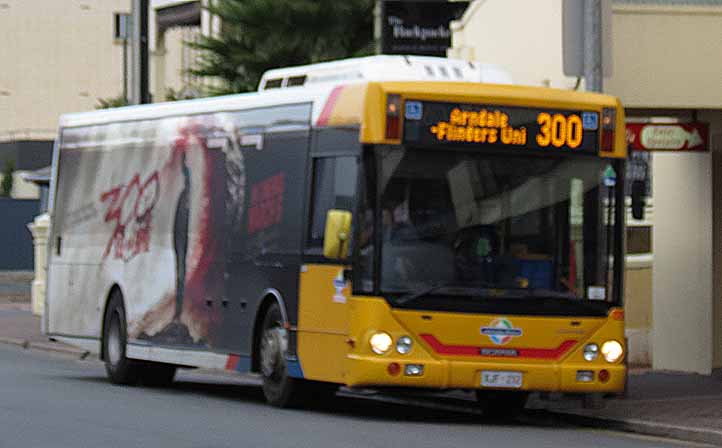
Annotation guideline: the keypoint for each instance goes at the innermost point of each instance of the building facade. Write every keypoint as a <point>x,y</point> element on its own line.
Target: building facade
<point>57,57</point>
<point>172,23</point>
<point>665,67</point>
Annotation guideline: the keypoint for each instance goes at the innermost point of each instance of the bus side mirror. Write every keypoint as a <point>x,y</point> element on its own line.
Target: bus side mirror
<point>337,235</point>
<point>639,191</point>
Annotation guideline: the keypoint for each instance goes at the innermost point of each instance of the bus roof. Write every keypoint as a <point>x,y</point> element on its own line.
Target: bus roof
<point>195,106</point>
<point>384,68</point>
<point>318,82</point>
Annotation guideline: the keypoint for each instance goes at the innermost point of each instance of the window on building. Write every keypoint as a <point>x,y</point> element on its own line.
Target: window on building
<point>639,240</point>
<point>121,26</point>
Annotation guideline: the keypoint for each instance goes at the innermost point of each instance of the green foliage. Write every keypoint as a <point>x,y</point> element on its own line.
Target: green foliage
<point>187,93</point>
<point>257,35</point>
<point>6,185</point>
<point>108,103</point>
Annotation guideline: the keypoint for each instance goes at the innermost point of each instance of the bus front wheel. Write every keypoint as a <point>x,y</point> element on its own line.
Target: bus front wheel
<point>279,388</point>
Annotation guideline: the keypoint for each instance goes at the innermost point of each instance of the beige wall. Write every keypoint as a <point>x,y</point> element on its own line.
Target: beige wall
<point>170,58</point>
<point>170,63</point>
<point>638,313</point>
<point>682,334</point>
<point>523,37</point>
<point>667,56</point>
<point>714,118</point>
<point>662,56</point>
<point>638,297</point>
<point>57,56</point>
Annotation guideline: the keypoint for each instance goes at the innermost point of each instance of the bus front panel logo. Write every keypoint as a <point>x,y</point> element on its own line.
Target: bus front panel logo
<point>501,331</point>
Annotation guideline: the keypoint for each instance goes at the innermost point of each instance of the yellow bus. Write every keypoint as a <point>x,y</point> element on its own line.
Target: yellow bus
<point>381,222</point>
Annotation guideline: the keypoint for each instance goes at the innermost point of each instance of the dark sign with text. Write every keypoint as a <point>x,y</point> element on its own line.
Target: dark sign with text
<point>432,123</point>
<point>418,27</point>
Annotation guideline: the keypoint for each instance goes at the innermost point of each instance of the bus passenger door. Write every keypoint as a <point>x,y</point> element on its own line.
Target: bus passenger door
<point>324,289</point>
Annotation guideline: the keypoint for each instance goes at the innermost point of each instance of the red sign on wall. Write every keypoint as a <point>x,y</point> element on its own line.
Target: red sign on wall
<point>668,136</point>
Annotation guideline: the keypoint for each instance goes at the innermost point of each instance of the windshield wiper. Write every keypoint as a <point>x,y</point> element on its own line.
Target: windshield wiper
<point>428,290</point>
<point>522,292</point>
<point>425,291</point>
<point>543,293</point>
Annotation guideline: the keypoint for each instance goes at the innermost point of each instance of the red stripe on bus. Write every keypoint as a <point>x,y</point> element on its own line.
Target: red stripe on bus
<point>471,350</point>
<point>232,362</point>
<point>328,107</point>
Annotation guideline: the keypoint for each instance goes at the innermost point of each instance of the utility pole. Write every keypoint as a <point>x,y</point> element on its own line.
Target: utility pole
<point>140,93</point>
<point>378,26</point>
<point>593,45</point>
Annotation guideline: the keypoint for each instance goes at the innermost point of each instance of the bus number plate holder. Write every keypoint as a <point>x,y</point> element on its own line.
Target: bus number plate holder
<point>496,378</point>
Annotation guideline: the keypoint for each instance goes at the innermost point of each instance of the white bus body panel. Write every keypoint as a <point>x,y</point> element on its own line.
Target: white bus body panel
<point>385,68</point>
<point>110,155</point>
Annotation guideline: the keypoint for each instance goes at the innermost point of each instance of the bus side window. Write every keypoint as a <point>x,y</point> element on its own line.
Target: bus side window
<point>334,187</point>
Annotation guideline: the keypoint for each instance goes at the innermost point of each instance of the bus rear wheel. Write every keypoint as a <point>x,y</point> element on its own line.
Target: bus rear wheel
<point>119,368</point>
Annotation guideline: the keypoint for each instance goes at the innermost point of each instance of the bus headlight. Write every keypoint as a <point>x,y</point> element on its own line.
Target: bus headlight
<point>403,345</point>
<point>591,352</point>
<point>380,342</point>
<point>612,351</point>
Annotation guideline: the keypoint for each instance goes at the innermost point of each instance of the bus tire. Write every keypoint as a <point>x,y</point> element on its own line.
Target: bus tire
<point>501,404</point>
<point>279,388</point>
<point>119,368</point>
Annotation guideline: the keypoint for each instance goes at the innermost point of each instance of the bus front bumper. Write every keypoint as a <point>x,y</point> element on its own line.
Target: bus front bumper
<point>368,371</point>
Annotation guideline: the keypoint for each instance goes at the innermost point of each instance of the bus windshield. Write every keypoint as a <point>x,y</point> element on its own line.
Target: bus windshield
<point>495,225</point>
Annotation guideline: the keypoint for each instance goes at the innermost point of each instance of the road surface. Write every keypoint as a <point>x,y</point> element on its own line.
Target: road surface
<point>49,400</point>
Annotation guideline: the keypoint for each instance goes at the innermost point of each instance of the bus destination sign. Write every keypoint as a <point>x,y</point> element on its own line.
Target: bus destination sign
<point>434,123</point>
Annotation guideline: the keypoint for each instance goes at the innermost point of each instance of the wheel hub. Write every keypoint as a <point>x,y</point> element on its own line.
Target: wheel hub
<point>273,349</point>
<point>114,348</point>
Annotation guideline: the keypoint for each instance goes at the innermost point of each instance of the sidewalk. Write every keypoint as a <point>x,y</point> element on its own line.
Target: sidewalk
<point>15,286</point>
<point>19,326</point>
<point>681,406</point>
<point>666,404</point>
<point>17,323</point>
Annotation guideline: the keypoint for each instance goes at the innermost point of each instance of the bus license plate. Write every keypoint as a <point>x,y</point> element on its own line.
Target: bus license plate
<point>495,378</point>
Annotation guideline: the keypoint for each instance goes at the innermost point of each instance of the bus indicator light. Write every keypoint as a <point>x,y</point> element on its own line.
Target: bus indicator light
<point>608,125</point>
<point>393,117</point>
<point>604,375</point>
<point>394,368</point>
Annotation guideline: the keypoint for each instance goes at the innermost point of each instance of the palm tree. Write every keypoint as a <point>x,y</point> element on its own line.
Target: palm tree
<point>257,35</point>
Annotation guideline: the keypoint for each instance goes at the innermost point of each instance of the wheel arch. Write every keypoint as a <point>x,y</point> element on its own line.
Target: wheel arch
<point>113,289</point>
<point>270,296</point>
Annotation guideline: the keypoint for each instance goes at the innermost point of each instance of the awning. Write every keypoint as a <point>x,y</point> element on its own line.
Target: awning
<point>185,14</point>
